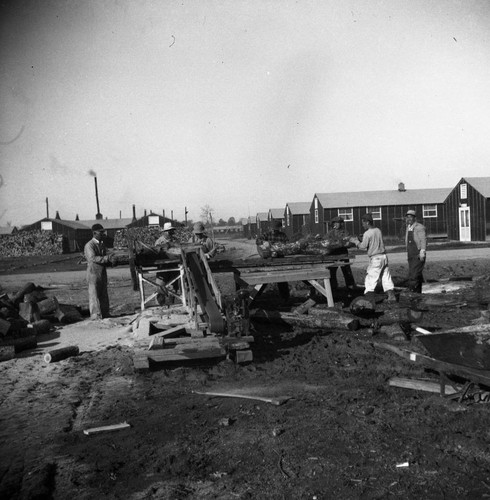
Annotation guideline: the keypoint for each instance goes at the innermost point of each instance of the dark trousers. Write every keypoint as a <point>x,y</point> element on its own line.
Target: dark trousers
<point>415,276</point>
<point>348,276</point>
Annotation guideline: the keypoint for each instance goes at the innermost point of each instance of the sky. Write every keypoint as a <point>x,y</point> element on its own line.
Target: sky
<point>240,106</point>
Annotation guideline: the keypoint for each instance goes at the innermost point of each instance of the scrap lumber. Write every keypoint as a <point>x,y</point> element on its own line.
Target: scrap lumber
<point>475,375</point>
<point>421,385</point>
<point>274,401</point>
<point>106,428</point>
<point>61,353</point>
<point>327,319</point>
<point>305,307</point>
<point>165,355</point>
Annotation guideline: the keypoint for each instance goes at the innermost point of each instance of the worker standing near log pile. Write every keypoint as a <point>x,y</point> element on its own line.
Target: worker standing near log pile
<point>98,260</point>
<point>337,241</point>
<point>416,241</point>
<point>377,270</point>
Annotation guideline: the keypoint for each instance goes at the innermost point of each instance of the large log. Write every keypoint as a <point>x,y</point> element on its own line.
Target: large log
<point>402,315</point>
<point>330,319</point>
<point>42,326</point>
<point>21,343</point>
<point>48,306</point>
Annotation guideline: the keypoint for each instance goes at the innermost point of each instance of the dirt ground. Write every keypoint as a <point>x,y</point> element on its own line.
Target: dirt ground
<point>344,433</point>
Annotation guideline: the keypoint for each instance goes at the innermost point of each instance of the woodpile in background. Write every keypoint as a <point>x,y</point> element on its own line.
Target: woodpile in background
<point>148,235</point>
<point>27,243</point>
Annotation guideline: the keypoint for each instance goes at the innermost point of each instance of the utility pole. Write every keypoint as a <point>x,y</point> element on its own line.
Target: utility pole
<point>185,215</point>
<point>172,214</point>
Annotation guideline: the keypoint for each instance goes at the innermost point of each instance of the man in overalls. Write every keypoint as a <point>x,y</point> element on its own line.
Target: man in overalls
<point>416,242</point>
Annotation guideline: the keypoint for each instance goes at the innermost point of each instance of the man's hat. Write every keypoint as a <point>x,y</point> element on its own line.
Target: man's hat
<point>98,227</point>
<point>198,228</point>
<point>367,217</point>
<point>411,212</point>
<point>337,219</point>
<point>168,226</point>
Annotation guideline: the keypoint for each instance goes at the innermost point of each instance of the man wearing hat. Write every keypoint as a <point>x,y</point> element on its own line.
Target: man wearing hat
<point>200,237</point>
<point>97,261</point>
<point>416,242</point>
<point>377,270</point>
<point>337,242</point>
<point>168,236</point>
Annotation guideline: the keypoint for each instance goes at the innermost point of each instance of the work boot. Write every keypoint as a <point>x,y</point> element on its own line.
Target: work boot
<point>391,296</point>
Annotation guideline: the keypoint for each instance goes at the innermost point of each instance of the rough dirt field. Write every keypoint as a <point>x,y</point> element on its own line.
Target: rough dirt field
<point>342,434</point>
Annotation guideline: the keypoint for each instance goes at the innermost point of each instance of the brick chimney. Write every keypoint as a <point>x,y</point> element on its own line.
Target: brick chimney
<point>401,187</point>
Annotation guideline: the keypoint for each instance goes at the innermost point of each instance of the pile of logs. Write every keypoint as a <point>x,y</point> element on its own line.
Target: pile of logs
<point>27,243</point>
<point>27,314</point>
<point>148,235</point>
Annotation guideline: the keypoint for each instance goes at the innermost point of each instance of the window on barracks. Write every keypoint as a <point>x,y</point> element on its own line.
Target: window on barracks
<point>376,211</point>
<point>429,211</point>
<point>316,215</point>
<point>346,214</point>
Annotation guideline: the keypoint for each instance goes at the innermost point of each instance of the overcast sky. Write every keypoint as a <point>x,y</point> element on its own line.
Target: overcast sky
<point>239,105</point>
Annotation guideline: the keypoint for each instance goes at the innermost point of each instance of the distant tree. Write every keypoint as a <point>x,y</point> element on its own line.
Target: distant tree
<point>207,217</point>
<point>231,221</point>
<point>221,222</point>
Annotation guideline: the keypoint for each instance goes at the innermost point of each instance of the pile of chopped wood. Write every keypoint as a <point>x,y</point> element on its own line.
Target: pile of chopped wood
<point>148,235</point>
<point>27,314</point>
<point>27,243</point>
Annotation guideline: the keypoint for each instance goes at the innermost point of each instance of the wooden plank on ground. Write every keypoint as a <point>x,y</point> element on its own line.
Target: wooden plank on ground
<point>106,428</point>
<point>420,385</point>
<point>477,376</point>
<point>171,354</point>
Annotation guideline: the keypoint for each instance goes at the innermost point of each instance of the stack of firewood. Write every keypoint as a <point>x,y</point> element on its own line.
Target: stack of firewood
<point>148,235</point>
<point>27,314</point>
<point>27,243</point>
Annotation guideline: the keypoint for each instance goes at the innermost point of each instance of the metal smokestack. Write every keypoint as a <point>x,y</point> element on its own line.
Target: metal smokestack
<point>98,215</point>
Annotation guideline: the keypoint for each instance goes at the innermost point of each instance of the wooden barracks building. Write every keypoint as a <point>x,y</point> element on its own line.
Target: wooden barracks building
<point>461,213</point>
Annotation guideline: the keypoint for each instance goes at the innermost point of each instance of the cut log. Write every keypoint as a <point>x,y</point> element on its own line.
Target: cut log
<point>61,353</point>
<point>42,326</point>
<point>48,306</point>
<point>362,306</point>
<point>20,344</point>
<point>29,311</point>
<point>330,319</point>
<point>7,352</point>
<point>19,296</point>
<point>67,314</point>
<point>420,385</point>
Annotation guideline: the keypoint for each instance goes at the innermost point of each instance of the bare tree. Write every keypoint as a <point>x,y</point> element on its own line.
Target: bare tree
<point>207,217</point>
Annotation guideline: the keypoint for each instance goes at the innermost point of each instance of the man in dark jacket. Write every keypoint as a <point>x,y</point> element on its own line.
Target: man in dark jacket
<point>416,242</point>
<point>97,261</point>
<point>337,243</point>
